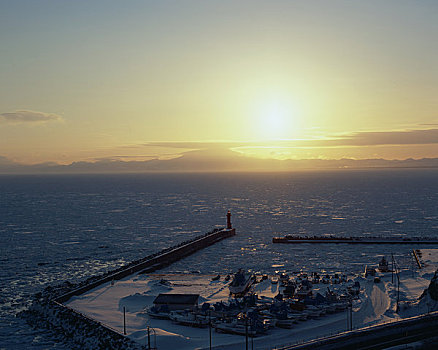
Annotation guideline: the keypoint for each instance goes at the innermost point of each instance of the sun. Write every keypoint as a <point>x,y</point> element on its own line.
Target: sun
<point>276,120</point>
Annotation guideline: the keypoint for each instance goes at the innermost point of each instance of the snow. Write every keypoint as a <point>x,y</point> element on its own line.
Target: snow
<point>377,304</point>
<point>373,302</point>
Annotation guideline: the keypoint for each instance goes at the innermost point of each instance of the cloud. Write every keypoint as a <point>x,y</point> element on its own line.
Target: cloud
<point>25,116</point>
<point>194,144</point>
<point>407,137</point>
<point>6,161</point>
<point>357,139</point>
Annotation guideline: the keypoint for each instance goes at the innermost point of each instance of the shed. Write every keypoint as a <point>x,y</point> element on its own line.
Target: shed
<point>177,301</point>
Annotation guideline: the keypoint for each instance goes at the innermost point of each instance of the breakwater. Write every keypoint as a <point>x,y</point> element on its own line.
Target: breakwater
<point>48,309</point>
<point>354,240</point>
<point>154,262</point>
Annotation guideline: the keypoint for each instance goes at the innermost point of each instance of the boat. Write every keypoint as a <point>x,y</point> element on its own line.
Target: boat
<point>315,278</point>
<point>240,283</point>
<point>303,291</point>
<point>289,290</point>
<point>331,296</point>
<point>286,323</point>
<point>329,308</point>
<point>354,288</point>
<point>369,271</point>
<point>283,278</point>
<point>383,265</point>
<point>157,312</point>
<point>235,327</point>
<point>340,306</point>
<point>265,300</point>
<point>322,309</point>
<point>274,279</point>
<point>300,316</point>
<point>216,278</point>
<point>188,319</point>
<point>312,311</point>
<point>326,279</point>
<point>269,322</point>
<point>343,278</point>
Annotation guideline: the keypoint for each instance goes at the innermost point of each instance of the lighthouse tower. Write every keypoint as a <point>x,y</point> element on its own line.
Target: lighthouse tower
<point>229,220</point>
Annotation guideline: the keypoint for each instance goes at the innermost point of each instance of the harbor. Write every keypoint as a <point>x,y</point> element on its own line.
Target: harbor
<point>145,304</point>
<point>50,307</point>
<point>269,310</point>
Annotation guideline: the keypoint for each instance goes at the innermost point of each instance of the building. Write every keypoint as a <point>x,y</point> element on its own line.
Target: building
<point>177,301</point>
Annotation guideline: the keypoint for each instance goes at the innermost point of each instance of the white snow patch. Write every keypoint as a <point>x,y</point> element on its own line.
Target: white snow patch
<point>377,304</point>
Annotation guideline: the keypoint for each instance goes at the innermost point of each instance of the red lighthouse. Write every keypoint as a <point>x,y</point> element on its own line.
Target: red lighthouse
<point>229,221</point>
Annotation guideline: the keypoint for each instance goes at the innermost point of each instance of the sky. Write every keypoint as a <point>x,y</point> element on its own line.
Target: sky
<point>136,80</point>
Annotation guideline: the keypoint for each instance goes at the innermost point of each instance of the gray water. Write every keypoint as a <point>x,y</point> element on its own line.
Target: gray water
<point>61,227</point>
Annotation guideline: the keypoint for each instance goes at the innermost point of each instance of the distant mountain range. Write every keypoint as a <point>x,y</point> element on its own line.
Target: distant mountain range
<point>208,161</point>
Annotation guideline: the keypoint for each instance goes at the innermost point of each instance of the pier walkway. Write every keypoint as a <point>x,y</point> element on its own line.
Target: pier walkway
<point>157,261</point>
<point>353,240</point>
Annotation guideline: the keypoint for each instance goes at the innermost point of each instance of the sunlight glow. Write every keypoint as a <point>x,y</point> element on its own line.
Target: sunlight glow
<point>276,119</point>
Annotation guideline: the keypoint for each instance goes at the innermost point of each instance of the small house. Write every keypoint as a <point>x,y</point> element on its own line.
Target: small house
<point>177,301</point>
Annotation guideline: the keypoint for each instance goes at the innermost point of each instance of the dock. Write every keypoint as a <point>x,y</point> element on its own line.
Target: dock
<point>155,262</point>
<point>354,240</point>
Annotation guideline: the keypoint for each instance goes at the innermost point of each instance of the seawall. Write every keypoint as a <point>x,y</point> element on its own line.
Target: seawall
<point>156,262</point>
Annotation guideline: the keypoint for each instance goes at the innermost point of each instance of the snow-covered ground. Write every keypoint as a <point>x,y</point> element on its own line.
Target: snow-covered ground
<point>377,303</point>
<point>106,303</point>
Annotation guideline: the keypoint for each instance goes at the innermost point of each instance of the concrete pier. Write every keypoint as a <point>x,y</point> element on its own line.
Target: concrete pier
<point>156,262</point>
<point>353,240</point>
<point>49,309</point>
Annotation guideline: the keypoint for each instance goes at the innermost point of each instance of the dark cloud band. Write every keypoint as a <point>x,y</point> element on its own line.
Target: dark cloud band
<point>357,139</point>
<point>24,116</point>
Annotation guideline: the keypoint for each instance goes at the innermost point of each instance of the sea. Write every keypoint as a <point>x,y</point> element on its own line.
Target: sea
<point>55,228</point>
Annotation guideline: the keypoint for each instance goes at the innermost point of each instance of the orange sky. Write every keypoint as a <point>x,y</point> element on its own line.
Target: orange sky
<point>271,79</point>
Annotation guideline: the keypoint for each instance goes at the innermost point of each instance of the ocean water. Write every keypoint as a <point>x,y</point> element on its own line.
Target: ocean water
<point>63,227</point>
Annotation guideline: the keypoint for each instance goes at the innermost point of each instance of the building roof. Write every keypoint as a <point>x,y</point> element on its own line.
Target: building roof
<point>190,299</point>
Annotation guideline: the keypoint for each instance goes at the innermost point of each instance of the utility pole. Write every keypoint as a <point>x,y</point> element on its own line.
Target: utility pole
<point>124,320</point>
<point>149,339</point>
<point>348,317</point>
<point>392,270</point>
<point>252,342</point>
<point>398,292</point>
<point>246,331</point>
<point>397,275</point>
<point>209,325</point>
<point>351,316</point>
<point>412,265</point>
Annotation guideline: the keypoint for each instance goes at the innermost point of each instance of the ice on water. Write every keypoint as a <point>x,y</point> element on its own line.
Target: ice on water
<point>56,228</point>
